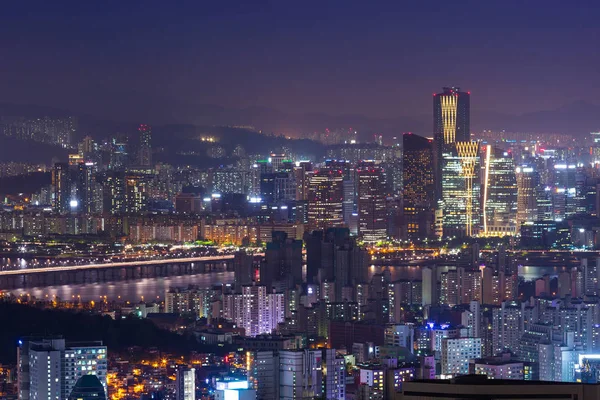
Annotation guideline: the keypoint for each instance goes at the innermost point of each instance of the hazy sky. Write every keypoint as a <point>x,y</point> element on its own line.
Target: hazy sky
<point>376,58</point>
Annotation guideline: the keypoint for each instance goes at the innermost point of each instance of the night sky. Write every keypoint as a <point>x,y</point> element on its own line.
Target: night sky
<point>130,59</point>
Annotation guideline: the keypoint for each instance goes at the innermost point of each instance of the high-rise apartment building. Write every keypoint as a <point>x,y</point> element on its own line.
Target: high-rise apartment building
<point>460,286</point>
<point>136,192</point>
<point>255,309</point>
<point>334,375</point>
<point>507,327</point>
<point>456,354</point>
<point>371,202</point>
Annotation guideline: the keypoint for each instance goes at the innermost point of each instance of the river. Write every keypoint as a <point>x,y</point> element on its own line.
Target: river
<point>154,288</point>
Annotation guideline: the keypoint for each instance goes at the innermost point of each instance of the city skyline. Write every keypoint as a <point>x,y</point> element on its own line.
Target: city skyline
<point>391,201</point>
<point>191,64</point>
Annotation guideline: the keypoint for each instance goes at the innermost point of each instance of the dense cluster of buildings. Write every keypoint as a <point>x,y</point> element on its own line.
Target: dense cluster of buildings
<point>312,318</point>
<point>53,130</point>
<point>415,188</point>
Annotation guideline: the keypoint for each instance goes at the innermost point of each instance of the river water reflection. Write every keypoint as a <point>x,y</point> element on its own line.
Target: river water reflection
<point>154,288</point>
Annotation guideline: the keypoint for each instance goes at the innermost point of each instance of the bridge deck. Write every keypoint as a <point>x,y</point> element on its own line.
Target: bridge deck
<point>28,271</point>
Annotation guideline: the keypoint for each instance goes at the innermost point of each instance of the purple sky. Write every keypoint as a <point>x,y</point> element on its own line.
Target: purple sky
<point>134,58</point>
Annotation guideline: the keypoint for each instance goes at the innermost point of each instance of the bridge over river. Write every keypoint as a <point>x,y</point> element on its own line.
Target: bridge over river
<point>116,271</point>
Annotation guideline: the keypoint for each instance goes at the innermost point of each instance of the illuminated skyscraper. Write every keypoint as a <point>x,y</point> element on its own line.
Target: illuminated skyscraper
<point>145,153</point>
<point>451,124</point>
<point>527,182</point>
<point>371,202</point>
<point>302,174</point>
<point>568,193</point>
<point>499,193</point>
<point>61,184</point>
<point>325,196</point>
<point>461,190</point>
<point>418,196</point>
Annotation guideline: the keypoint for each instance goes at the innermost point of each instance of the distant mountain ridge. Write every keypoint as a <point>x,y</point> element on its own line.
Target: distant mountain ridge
<point>577,118</point>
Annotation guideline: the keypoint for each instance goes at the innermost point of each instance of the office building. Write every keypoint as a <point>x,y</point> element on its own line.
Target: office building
<point>460,200</point>
<point>371,202</point>
<point>418,194</point>
<point>527,190</point>
<point>499,193</point>
<point>325,198</point>
<point>451,124</point>
<point>302,173</point>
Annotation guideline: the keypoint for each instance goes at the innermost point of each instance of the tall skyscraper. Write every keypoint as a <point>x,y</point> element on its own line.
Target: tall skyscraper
<point>62,187</point>
<point>325,197</point>
<point>302,174</point>
<point>499,193</point>
<point>451,124</point>
<point>418,196</point>
<point>527,183</point>
<point>460,203</point>
<point>372,225</point>
<point>145,152</point>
